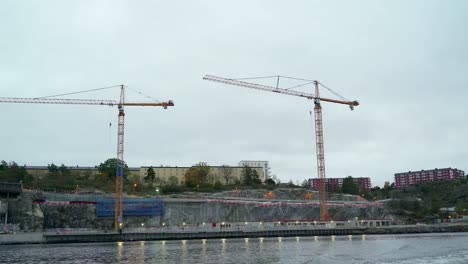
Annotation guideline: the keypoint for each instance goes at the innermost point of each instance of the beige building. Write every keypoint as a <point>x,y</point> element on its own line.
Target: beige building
<point>39,172</point>
<point>217,173</point>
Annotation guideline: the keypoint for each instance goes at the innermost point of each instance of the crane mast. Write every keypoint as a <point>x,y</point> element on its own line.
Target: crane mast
<point>318,125</point>
<point>320,154</point>
<point>118,208</point>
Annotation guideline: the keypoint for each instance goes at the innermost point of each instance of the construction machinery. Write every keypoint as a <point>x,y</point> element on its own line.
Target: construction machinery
<point>318,121</point>
<point>118,217</point>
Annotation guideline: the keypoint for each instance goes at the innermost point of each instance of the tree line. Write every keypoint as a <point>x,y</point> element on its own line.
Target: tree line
<point>199,177</point>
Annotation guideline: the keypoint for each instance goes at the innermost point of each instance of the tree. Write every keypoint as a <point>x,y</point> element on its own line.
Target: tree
<point>172,185</point>
<point>227,173</point>
<point>66,176</point>
<point>197,175</point>
<point>173,181</point>
<point>158,181</point>
<point>218,185</point>
<point>64,169</point>
<point>270,184</point>
<point>256,177</point>
<point>305,184</point>
<point>150,175</point>
<point>247,175</point>
<point>3,165</point>
<point>203,171</point>
<point>192,178</point>
<point>387,185</point>
<point>108,169</point>
<point>54,177</point>
<point>14,173</point>
<point>270,181</point>
<point>349,186</point>
<point>250,176</point>
<point>59,177</point>
<point>276,179</point>
<point>52,168</point>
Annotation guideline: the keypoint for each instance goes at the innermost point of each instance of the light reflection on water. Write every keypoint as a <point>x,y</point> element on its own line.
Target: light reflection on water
<point>432,248</point>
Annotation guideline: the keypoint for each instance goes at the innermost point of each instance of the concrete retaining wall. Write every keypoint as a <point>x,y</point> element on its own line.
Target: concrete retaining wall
<point>22,238</point>
<point>31,238</point>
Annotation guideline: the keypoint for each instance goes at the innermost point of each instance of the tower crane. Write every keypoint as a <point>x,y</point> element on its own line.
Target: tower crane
<point>318,123</point>
<point>118,207</point>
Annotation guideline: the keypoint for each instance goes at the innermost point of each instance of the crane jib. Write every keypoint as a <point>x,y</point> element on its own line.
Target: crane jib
<point>118,218</point>
<point>318,125</point>
<point>275,90</point>
<point>57,101</point>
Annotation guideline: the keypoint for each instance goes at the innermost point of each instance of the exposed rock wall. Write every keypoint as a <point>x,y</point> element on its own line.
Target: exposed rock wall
<point>32,216</point>
<point>285,194</point>
<point>24,212</point>
<point>177,213</point>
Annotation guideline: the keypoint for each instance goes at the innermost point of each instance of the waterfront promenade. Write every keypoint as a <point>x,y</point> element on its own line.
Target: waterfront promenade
<point>182,233</point>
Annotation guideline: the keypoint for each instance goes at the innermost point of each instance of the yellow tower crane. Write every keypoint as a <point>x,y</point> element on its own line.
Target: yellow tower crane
<point>118,210</point>
<point>318,122</point>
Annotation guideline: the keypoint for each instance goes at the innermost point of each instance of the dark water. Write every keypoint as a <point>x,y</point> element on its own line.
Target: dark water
<point>422,248</point>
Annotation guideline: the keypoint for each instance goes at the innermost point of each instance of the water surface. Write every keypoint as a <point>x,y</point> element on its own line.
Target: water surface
<point>420,248</point>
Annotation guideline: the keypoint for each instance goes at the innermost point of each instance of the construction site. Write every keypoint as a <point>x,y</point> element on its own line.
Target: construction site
<point>36,210</point>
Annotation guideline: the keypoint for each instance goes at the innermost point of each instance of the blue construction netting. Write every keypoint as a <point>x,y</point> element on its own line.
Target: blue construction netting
<point>131,207</point>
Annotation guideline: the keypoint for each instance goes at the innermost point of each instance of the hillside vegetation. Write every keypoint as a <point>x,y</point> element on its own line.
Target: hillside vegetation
<point>422,202</point>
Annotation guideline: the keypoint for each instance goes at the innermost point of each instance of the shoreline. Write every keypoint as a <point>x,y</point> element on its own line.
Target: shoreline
<point>86,237</point>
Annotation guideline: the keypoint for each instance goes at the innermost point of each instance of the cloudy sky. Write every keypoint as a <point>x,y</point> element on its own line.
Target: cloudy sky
<point>405,61</point>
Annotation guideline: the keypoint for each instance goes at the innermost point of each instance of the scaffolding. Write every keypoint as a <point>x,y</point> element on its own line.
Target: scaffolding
<point>131,207</point>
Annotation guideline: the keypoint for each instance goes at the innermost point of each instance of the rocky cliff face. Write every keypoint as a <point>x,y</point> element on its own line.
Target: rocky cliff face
<point>74,216</point>
<point>31,216</point>
<point>284,194</point>
<point>177,213</point>
<point>24,212</point>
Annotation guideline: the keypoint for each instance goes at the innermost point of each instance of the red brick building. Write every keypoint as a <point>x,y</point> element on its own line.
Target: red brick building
<point>405,179</point>
<point>364,183</point>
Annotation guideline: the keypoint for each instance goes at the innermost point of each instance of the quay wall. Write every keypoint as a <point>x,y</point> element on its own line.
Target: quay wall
<point>31,238</point>
<point>22,238</point>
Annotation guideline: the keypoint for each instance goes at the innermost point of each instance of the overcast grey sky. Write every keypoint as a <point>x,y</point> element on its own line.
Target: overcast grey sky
<point>405,61</point>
